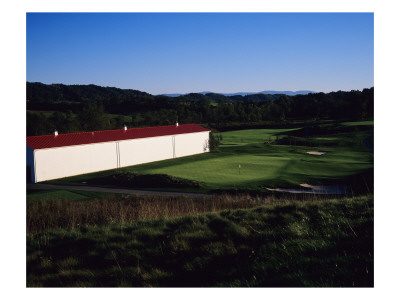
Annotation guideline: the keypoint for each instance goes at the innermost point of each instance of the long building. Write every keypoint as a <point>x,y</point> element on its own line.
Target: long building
<point>62,155</point>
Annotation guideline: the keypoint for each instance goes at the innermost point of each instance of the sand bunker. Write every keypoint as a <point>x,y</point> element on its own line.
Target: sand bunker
<point>315,189</point>
<point>316,153</point>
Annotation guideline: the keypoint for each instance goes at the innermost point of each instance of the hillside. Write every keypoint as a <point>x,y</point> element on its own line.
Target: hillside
<point>72,108</point>
<point>281,244</point>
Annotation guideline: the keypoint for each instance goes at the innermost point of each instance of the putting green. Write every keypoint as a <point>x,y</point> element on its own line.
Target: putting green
<point>264,165</point>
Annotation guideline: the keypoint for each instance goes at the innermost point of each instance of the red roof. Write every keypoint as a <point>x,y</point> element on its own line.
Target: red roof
<point>82,138</point>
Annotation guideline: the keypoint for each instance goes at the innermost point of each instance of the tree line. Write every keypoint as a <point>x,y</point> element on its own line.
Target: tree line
<point>74,108</point>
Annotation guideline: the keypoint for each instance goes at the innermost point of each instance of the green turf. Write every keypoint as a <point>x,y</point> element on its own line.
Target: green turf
<point>51,195</point>
<point>244,137</point>
<point>359,123</point>
<point>262,163</point>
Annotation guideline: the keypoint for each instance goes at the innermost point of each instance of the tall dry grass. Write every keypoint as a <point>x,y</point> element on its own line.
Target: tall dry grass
<point>44,215</point>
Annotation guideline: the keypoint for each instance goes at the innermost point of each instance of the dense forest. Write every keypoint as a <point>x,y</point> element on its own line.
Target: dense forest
<point>74,108</point>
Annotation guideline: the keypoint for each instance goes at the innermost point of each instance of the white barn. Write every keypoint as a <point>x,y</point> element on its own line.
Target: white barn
<point>62,155</point>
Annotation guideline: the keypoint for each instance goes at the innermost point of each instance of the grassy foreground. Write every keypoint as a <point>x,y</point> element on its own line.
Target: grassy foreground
<point>298,243</point>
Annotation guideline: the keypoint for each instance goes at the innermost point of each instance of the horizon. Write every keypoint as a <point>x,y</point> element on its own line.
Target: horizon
<point>179,53</point>
<point>230,93</point>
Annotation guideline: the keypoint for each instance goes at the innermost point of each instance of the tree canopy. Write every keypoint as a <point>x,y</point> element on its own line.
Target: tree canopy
<point>72,108</point>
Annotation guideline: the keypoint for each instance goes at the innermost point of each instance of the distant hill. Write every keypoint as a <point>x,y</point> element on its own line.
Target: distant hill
<point>170,95</point>
<point>288,93</point>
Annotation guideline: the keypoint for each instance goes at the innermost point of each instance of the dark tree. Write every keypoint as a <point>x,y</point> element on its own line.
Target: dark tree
<point>214,141</point>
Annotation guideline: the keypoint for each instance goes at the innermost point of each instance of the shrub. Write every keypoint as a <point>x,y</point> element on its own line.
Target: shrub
<point>214,141</point>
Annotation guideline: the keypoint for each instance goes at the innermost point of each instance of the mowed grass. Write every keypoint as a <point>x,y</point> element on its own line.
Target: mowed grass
<point>359,123</point>
<point>316,243</point>
<point>251,136</point>
<point>263,163</point>
<point>33,195</point>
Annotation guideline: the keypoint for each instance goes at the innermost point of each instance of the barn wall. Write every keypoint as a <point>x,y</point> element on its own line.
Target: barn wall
<point>191,143</point>
<point>61,162</point>
<point>68,161</point>
<point>139,151</point>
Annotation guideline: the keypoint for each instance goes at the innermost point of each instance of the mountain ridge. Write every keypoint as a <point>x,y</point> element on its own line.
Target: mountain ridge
<point>267,92</point>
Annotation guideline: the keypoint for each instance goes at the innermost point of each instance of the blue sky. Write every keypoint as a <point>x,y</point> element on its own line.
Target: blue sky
<point>193,52</point>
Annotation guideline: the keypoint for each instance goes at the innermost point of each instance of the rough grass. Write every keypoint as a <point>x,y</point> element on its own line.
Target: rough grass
<point>309,243</point>
<point>48,213</point>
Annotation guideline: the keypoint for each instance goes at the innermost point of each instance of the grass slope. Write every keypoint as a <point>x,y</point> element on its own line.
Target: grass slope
<point>60,195</point>
<point>319,243</point>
